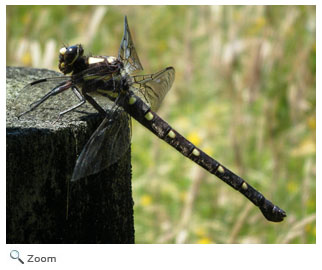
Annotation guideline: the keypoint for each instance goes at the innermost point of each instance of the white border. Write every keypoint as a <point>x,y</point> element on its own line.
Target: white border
<point>164,256</point>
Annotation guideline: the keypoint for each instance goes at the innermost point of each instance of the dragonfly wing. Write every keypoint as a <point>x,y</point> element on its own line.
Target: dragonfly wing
<point>127,53</point>
<point>106,146</point>
<point>154,87</point>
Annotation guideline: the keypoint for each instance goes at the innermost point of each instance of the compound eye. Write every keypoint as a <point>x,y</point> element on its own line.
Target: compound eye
<point>72,50</point>
<point>68,56</point>
<point>71,54</point>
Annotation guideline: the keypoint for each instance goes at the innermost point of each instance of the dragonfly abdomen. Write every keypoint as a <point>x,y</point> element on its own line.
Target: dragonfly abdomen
<point>144,115</point>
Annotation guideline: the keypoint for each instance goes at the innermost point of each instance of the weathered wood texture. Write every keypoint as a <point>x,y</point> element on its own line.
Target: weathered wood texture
<point>43,206</point>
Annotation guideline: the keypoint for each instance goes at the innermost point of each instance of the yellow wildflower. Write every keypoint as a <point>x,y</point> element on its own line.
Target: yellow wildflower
<point>146,200</point>
<point>194,138</point>
<point>204,240</point>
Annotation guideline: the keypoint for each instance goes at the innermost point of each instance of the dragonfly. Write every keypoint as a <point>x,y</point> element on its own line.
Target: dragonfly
<point>129,95</point>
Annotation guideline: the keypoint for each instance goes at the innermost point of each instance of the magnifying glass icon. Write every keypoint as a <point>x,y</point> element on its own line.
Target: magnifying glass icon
<point>14,254</point>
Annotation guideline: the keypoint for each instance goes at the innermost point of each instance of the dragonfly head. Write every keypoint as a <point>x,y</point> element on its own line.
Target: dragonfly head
<point>68,57</point>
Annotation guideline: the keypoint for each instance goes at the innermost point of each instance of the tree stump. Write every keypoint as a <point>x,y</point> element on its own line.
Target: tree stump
<point>43,205</point>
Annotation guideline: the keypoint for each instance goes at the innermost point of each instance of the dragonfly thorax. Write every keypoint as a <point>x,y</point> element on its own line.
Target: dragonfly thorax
<point>112,86</point>
<point>99,59</point>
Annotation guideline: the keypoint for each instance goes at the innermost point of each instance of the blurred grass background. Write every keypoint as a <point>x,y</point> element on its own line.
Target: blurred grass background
<point>244,92</point>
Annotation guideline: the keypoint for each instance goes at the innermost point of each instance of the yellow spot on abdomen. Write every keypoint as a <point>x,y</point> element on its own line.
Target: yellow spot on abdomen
<point>171,134</point>
<point>149,116</point>
<point>221,169</point>
<point>196,152</point>
<point>132,100</point>
<point>244,186</point>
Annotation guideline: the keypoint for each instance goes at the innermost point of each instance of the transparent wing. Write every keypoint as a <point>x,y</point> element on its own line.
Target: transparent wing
<point>106,146</point>
<point>154,87</point>
<point>127,53</point>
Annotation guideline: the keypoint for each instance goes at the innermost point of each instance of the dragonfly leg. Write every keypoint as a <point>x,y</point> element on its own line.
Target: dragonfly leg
<point>79,96</point>
<point>95,104</point>
<point>53,92</point>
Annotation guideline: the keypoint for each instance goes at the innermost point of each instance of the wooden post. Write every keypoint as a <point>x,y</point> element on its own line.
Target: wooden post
<point>43,206</point>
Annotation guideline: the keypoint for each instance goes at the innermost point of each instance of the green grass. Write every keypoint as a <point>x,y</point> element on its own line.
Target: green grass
<point>244,90</point>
